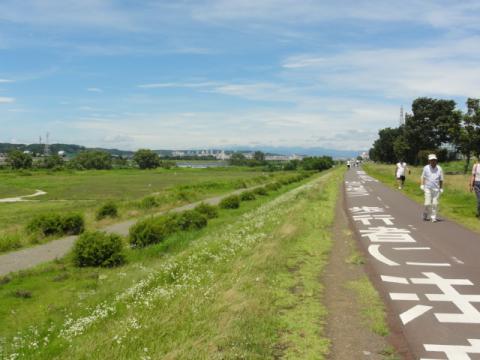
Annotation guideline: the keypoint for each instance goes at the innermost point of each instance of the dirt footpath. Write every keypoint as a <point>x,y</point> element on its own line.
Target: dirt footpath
<point>348,331</point>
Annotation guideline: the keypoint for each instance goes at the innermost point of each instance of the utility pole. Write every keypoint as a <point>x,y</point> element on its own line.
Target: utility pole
<point>402,117</point>
<point>46,150</point>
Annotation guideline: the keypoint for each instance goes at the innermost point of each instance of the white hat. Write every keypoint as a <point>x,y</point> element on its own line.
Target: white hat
<point>432,157</point>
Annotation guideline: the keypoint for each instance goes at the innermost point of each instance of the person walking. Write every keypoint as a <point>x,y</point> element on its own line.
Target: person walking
<point>400,172</point>
<point>431,182</point>
<point>475,184</point>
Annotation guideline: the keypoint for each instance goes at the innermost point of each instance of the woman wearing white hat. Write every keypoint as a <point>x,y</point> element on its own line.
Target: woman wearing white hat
<point>431,183</point>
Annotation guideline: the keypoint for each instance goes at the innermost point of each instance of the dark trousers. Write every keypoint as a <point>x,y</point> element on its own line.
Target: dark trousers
<point>476,187</point>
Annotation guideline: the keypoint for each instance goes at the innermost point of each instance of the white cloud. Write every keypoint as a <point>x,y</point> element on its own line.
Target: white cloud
<point>2,81</point>
<point>447,68</point>
<point>6,100</point>
<point>177,85</point>
<point>94,89</point>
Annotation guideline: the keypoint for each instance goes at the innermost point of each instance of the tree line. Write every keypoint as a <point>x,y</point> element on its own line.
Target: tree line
<point>148,159</point>
<point>435,125</point>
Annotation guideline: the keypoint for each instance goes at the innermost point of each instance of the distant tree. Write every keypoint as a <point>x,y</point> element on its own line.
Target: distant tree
<point>383,150</point>
<point>19,160</point>
<point>95,159</point>
<point>120,161</point>
<point>52,161</point>
<point>146,159</point>
<point>259,156</point>
<point>467,134</point>
<point>237,159</point>
<point>318,163</point>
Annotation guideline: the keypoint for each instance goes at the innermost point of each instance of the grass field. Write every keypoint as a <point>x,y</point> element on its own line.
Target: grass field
<point>246,287</point>
<point>85,191</point>
<point>456,203</point>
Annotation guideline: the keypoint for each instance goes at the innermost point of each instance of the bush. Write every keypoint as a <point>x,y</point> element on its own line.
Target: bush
<point>153,230</point>
<point>98,249</point>
<point>191,220</point>
<point>208,210</point>
<point>10,242</point>
<point>272,187</point>
<point>107,210</point>
<point>149,202</point>
<point>230,202</point>
<point>260,191</point>
<point>247,196</point>
<point>54,224</point>
<point>72,224</point>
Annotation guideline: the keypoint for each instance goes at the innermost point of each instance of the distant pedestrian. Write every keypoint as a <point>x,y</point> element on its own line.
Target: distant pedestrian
<point>431,183</point>
<point>400,172</point>
<point>475,184</point>
<point>348,164</point>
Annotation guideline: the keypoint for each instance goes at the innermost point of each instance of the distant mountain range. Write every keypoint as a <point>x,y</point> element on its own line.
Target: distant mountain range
<point>72,149</point>
<point>310,151</point>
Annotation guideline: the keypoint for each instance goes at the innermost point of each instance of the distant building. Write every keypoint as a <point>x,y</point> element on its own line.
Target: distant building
<point>222,156</point>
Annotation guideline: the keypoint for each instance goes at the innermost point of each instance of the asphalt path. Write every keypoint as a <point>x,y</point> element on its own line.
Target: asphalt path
<point>428,273</point>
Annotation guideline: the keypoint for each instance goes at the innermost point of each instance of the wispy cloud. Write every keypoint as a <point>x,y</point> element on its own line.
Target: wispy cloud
<point>3,81</point>
<point>178,85</point>
<point>6,100</point>
<point>449,68</point>
<point>94,89</point>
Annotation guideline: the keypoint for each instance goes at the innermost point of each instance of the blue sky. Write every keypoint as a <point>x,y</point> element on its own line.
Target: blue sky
<point>218,73</point>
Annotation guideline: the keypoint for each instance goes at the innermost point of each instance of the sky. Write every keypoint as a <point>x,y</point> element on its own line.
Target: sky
<point>218,73</point>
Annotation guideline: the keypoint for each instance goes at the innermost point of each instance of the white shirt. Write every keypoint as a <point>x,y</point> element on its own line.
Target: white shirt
<point>432,177</point>
<point>401,166</point>
<point>476,172</point>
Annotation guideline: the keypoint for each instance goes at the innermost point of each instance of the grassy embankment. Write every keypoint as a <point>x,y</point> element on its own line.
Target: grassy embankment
<point>85,191</point>
<point>456,203</point>
<point>247,286</point>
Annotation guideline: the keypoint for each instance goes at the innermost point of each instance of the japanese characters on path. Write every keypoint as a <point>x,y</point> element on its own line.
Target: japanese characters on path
<point>432,294</point>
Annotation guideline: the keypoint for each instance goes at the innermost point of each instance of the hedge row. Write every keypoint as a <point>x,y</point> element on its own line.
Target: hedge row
<point>102,249</point>
<point>56,224</point>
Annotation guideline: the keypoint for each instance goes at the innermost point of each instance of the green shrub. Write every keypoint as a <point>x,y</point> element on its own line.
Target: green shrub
<point>55,224</point>
<point>272,187</point>
<point>247,196</point>
<point>107,210</point>
<point>9,242</point>
<point>98,249</point>
<point>260,191</point>
<point>72,224</point>
<point>208,210</point>
<point>230,202</point>
<point>153,230</point>
<point>191,220</point>
<point>149,202</point>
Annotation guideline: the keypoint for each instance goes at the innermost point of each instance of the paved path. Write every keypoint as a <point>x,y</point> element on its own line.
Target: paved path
<point>428,273</point>
<point>27,258</point>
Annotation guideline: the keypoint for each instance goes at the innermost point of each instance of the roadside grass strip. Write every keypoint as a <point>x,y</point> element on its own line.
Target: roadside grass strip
<point>222,296</point>
<point>371,306</point>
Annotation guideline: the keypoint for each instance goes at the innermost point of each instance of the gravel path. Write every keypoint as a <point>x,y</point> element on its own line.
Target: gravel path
<point>27,258</point>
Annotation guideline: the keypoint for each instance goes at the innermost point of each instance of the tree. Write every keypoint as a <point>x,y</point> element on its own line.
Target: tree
<point>146,159</point>
<point>95,159</point>
<point>237,159</point>
<point>259,156</point>
<point>383,147</point>
<point>467,134</point>
<point>19,160</point>
<point>431,125</point>
<point>52,161</point>
<point>317,163</point>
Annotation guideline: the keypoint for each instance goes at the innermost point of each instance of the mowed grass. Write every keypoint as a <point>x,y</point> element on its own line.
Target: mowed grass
<point>456,203</point>
<point>247,286</point>
<point>85,191</point>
